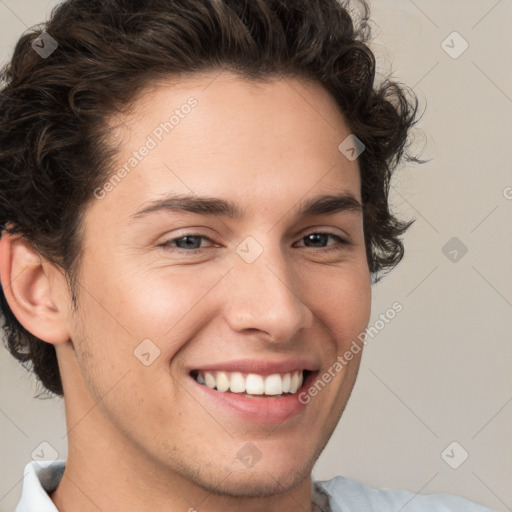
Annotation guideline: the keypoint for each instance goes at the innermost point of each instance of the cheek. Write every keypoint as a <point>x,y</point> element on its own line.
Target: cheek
<point>343,304</point>
<point>166,305</point>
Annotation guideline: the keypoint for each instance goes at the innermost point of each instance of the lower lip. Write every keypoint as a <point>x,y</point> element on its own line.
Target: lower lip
<point>258,410</point>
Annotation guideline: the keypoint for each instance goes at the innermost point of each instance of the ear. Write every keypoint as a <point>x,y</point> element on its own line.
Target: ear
<point>31,286</point>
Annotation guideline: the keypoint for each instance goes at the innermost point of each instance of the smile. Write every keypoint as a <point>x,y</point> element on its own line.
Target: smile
<point>252,384</point>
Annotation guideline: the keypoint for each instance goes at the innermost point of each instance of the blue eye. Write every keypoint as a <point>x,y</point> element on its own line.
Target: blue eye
<point>187,242</point>
<point>320,237</point>
<point>191,243</point>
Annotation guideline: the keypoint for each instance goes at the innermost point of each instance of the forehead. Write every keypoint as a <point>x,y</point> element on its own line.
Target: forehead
<point>223,136</point>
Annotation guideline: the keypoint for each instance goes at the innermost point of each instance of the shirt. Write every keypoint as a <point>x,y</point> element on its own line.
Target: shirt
<point>341,493</point>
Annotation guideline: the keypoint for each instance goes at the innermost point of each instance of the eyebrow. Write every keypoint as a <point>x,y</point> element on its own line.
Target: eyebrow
<point>214,206</point>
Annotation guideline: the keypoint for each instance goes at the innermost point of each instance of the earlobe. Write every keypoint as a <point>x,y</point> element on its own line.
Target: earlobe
<point>30,285</point>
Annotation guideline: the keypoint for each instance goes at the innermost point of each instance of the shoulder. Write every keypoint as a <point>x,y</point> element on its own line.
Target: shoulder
<point>345,493</point>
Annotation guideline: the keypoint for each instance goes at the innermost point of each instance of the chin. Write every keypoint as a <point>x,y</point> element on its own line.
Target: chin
<point>258,483</point>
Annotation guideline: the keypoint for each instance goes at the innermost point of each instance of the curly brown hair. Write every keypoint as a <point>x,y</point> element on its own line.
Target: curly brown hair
<point>54,111</point>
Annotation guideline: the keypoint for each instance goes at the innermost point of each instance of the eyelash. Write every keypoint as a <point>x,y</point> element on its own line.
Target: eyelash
<point>168,244</point>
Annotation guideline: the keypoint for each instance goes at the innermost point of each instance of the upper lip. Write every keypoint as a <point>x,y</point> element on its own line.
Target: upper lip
<point>260,366</point>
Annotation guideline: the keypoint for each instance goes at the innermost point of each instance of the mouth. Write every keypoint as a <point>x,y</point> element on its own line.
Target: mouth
<point>253,385</point>
<point>256,390</point>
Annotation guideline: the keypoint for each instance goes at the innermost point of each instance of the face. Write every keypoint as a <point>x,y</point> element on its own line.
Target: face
<point>169,297</point>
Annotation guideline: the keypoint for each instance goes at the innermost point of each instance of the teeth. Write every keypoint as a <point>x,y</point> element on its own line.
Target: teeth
<point>294,384</point>
<point>252,383</point>
<point>237,382</point>
<point>222,381</point>
<point>274,385</point>
<point>209,380</point>
<point>286,382</point>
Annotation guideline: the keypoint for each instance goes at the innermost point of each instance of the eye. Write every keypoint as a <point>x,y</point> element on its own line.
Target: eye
<point>189,243</point>
<point>320,238</point>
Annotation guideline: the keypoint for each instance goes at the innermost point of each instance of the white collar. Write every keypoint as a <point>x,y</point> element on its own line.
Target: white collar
<point>40,479</point>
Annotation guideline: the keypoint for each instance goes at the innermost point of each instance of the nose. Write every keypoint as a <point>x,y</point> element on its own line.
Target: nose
<point>265,296</point>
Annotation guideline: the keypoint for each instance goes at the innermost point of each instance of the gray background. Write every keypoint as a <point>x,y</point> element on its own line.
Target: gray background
<point>439,372</point>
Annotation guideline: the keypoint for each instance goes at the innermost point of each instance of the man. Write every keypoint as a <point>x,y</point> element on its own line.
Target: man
<point>194,204</point>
